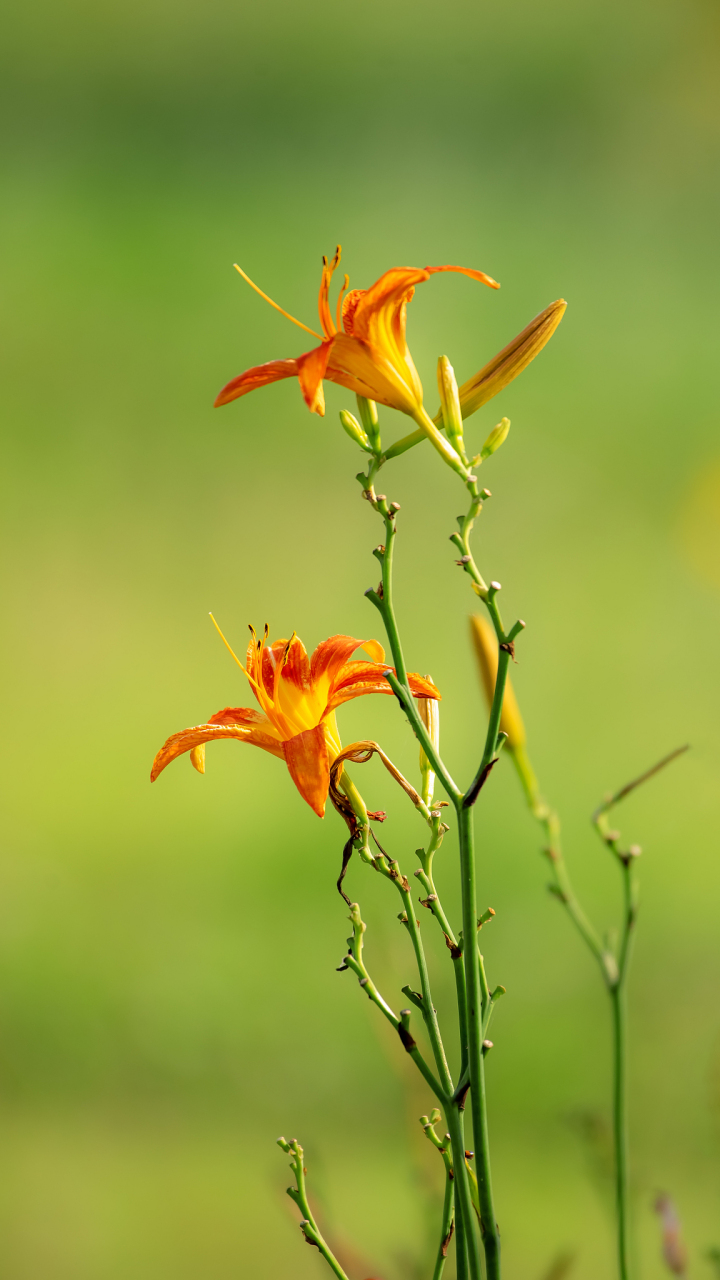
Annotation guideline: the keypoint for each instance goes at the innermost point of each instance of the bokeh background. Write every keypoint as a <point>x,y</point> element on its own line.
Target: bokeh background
<point>168,994</point>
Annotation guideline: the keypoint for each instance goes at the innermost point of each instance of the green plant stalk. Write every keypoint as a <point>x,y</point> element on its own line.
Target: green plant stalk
<point>619,1022</point>
<point>447,1225</point>
<point>448,1215</point>
<point>475,1010</point>
<point>617,997</point>
<point>614,974</point>
<point>383,601</point>
<point>561,884</point>
<point>298,1195</point>
<point>428,1011</point>
<point>466,1237</point>
<point>432,901</point>
<point>614,969</point>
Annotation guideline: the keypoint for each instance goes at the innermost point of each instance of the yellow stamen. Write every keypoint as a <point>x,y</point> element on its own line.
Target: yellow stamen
<point>232,653</point>
<point>287,315</point>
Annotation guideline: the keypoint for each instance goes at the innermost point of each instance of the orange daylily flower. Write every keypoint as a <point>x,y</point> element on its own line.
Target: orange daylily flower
<point>363,348</point>
<point>298,697</point>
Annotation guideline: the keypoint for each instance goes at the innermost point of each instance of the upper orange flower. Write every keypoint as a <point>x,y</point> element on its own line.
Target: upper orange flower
<point>363,349</point>
<point>298,696</point>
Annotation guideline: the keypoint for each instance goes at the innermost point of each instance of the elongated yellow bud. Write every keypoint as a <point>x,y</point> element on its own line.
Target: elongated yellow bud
<point>486,648</point>
<point>450,405</point>
<point>497,436</point>
<point>354,430</point>
<point>511,361</point>
<point>429,709</point>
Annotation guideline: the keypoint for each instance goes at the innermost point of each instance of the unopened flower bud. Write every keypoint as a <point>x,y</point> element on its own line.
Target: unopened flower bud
<point>511,361</point>
<point>354,430</point>
<point>369,418</point>
<point>450,405</point>
<point>497,436</point>
<point>429,709</point>
<point>486,648</point>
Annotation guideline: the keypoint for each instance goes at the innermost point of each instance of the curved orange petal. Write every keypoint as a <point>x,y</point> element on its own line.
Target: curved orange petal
<point>332,654</point>
<point>366,369</point>
<point>370,678</point>
<point>389,292</point>
<point>420,687</point>
<point>311,371</point>
<point>270,660</point>
<point>200,734</point>
<point>240,715</point>
<point>467,271</point>
<point>294,665</point>
<point>309,766</point>
<point>259,376</point>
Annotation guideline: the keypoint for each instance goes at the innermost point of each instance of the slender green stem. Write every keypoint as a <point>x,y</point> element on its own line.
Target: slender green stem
<point>383,601</point>
<point>298,1195</point>
<point>467,1239</point>
<point>617,996</point>
<point>561,885</point>
<point>386,559</point>
<point>434,904</point>
<point>491,1235</point>
<point>447,1225</point>
<point>352,961</point>
<point>391,870</point>
<point>442,445</point>
<point>429,1011</point>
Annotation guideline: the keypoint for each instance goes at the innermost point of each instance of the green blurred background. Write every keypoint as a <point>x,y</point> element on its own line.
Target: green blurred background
<point>168,994</point>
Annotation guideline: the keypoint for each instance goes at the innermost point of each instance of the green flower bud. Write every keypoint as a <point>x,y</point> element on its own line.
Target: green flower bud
<point>497,436</point>
<point>450,405</point>
<point>354,430</point>
<point>369,418</point>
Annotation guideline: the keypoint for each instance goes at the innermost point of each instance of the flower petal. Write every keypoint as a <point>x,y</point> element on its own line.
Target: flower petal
<point>331,655</point>
<point>309,766</point>
<point>311,371</point>
<point>362,306</point>
<point>369,677</point>
<point>198,735</point>
<point>467,271</point>
<point>295,664</point>
<point>259,376</point>
<point>365,369</point>
<point>239,715</point>
<point>286,659</point>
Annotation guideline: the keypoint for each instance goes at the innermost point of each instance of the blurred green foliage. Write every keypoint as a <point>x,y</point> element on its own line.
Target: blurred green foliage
<point>168,994</point>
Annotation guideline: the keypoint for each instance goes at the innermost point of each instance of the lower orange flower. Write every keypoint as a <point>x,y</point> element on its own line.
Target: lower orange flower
<point>298,697</point>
